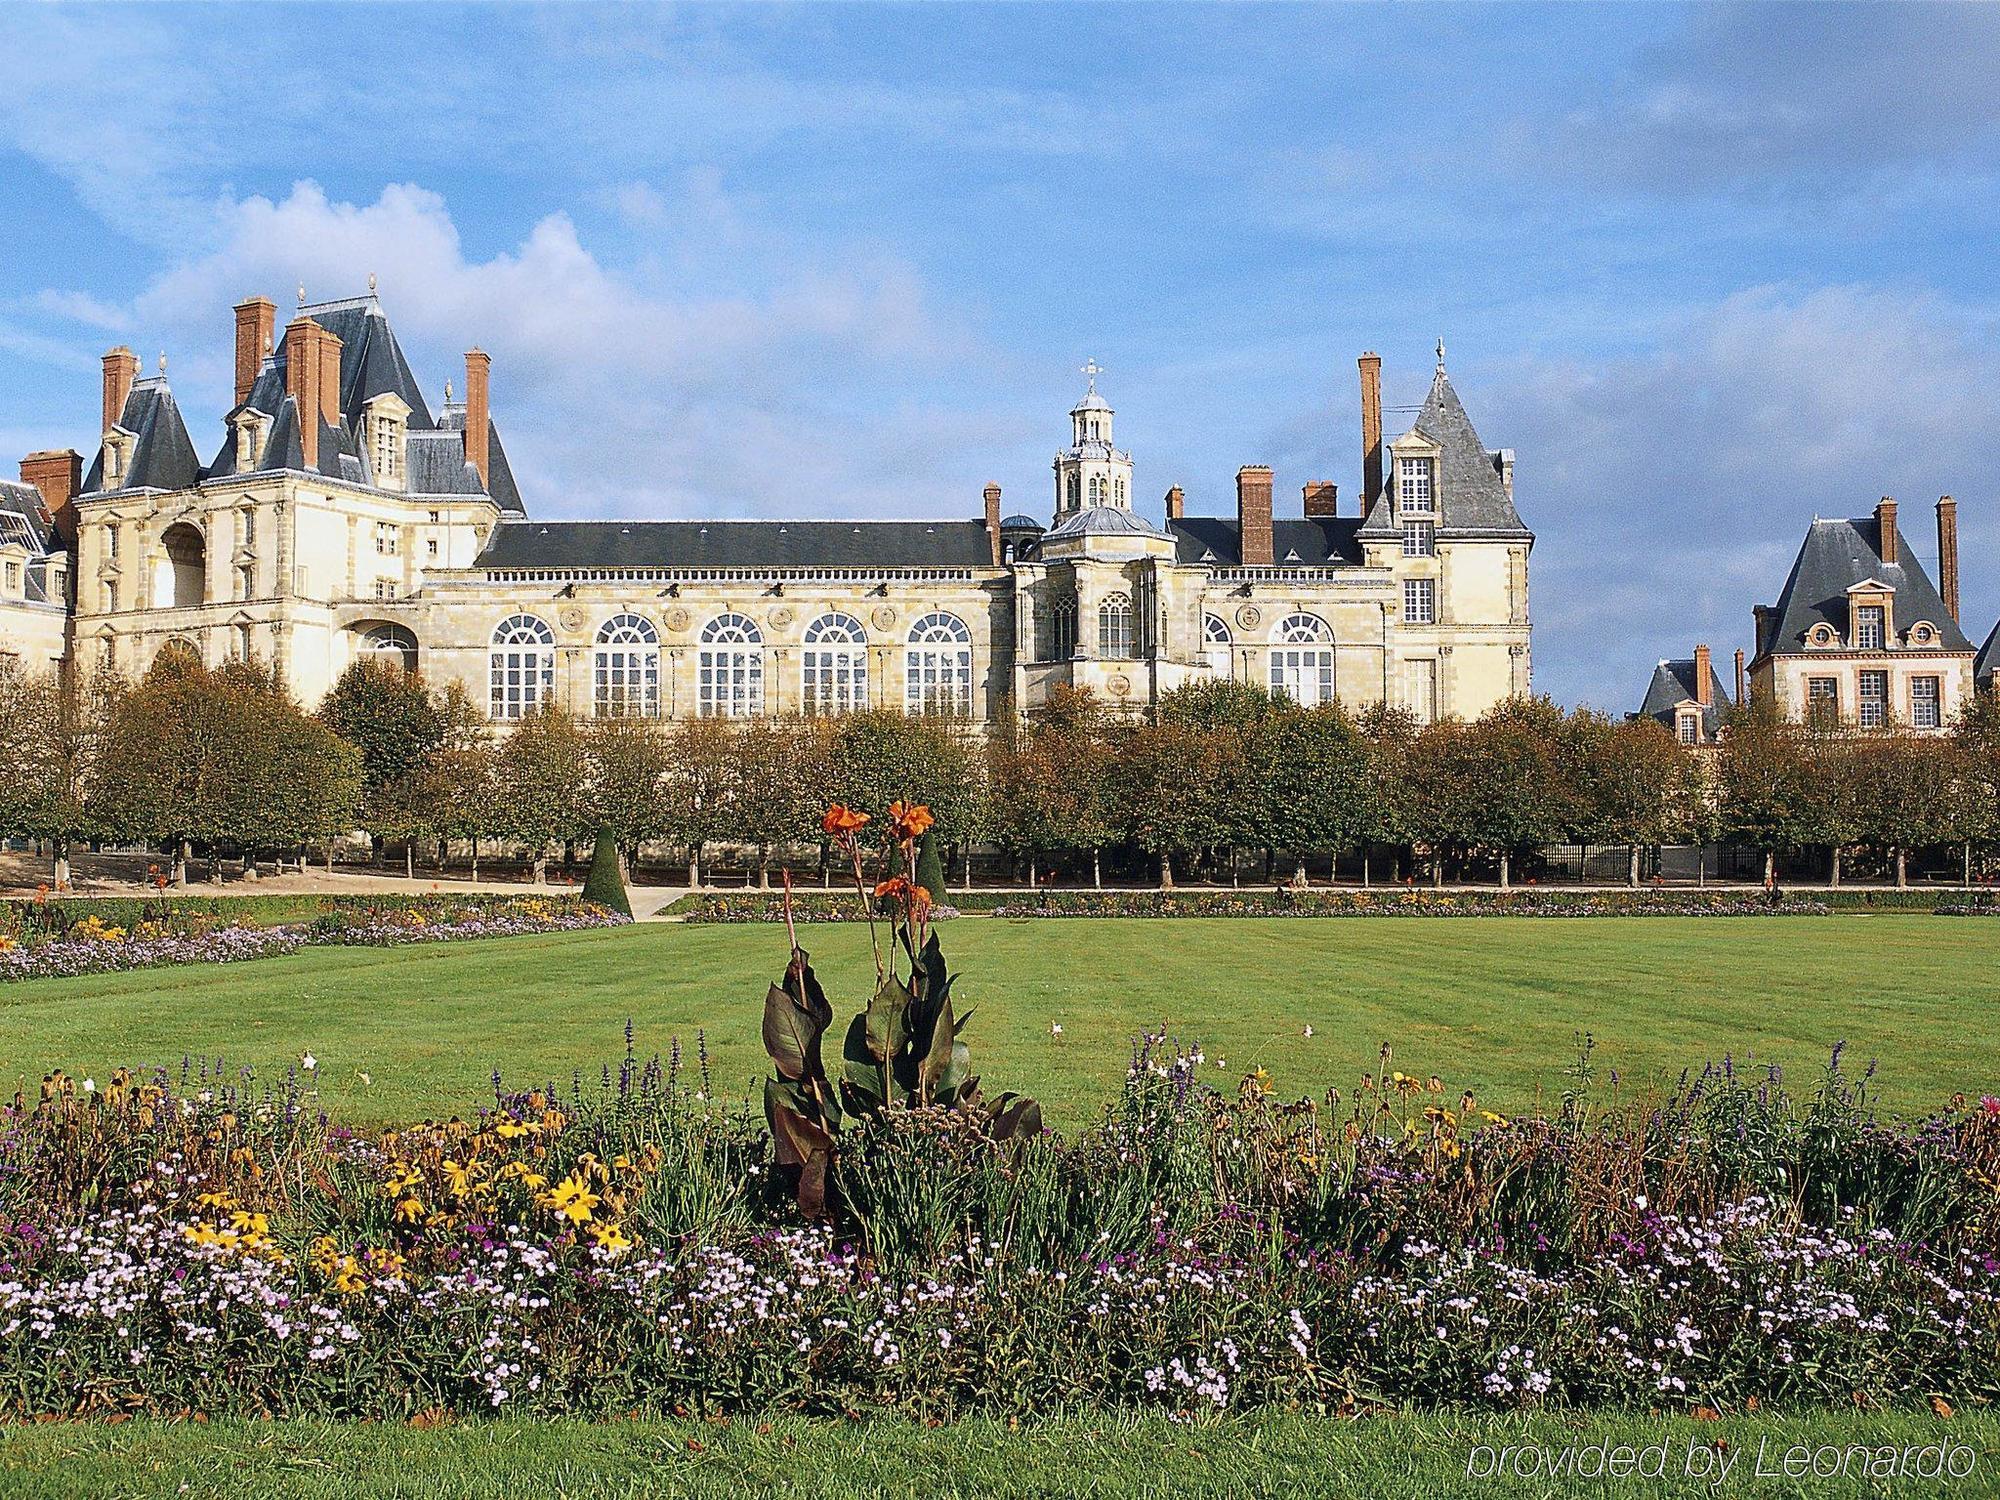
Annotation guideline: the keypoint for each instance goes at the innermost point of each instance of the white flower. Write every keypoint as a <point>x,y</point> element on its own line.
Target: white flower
<point>1055,1028</point>
<point>1308,1031</point>
<point>308,1062</point>
<point>365,1078</point>
<point>1640,1201</point>
<point>90,1085</point>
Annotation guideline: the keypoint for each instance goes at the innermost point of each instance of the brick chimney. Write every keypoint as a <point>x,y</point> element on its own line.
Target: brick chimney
<point>1253,515</point>
<point>121,368</point>
<point>478,367</point>
<point>1371,430</point>
<point>256,319</point>
<point>1885,525</point>
<point>1176,503</point>
<point>1704,678</point>
<point>993,521</point>
<point>58,474</point>
<point>1322,498</point>
<point>1947,522</point>
<point>303,368</point>
<point>1742,688</point>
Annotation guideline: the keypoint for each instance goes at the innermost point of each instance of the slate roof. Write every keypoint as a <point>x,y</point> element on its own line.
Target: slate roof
<point>163,456</point>
<point>1834,557</point>
<point>1674,683</point>
<point>1100,520</point>
<point>738,544</point>
<point>1471,496</point>
<point>1988,658</point>
<point>24,508</point>
<point>1314,541</point>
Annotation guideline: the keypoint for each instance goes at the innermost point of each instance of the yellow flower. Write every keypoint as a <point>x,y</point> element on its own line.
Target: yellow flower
<point>609,1237</point>
<point>509,1130</point>
<point>572,1198</point>
<point>216,1200</point>
<point>248,1223</point>
<point>409,1210</point>
<point>1263,1082</point>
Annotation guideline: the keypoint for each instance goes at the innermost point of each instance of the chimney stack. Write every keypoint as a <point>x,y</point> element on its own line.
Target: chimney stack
<point>1704,677</point>
<point>121,368</point>
<point>58,474</point>
<point>993,521</point>
<point>1947,523</point>
<point>1371,430</point>
<point>1176,503</point>
<point>1322,499</point>
<point>1742,692</point>
<point>478,367</point>
<point>256,318</point>
<point>1253,515</point>
<point>303,368</point>
<point>329,377</point>
<point>1885,526</point>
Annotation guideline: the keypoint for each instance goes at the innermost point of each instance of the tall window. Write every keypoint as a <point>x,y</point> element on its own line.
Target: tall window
<point>1419,539</point>
<point>625,677</point>
<point>1420,601</point>
<point>1690,729</point>
<point>1420,689</point>
<point>1823,697</point>
<point>1413,485</point>
<point>388,540</point>
<point>1114,626</point>
<point>1302,660</point>
<point>523,667</point>
<point>1868,627</point>
<point>1062,630</point>
<point>1874,699</point>
<point>732,668</point>
<point>1926,707</point>
<point>938,665</point>
<point>835,672</point>
<point>1215,646</point>
<point>390,643</point>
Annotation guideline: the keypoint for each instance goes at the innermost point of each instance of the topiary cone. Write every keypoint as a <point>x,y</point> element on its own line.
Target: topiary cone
<point>930,869</point>
<point>603,884</point>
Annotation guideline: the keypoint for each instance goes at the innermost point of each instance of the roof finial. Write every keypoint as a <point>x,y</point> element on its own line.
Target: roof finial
<point>1093,369</point>
<point>371,283</point>
<point>1440,354</point>
<point>302,294</point>
<point>447,393</point>
<point>163,361</point>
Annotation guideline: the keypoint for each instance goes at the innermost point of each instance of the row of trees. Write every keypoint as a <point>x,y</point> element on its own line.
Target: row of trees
<point>193,757</point>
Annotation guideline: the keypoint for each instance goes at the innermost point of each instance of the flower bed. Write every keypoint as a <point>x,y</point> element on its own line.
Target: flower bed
<point>94,946</point>
<point>196,1246</point>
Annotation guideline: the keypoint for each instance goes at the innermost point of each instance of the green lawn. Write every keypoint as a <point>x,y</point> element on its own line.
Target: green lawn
<point>1491,1003</point>
<point>1388,1458</point>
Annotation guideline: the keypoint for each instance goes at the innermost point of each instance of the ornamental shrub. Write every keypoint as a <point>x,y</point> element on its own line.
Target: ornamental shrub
<point>603,884</point>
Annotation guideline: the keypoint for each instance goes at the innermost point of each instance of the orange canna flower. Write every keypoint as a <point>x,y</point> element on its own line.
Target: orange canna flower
<point>909,820</point>
<point>841,819</point>
<point>895,888</point>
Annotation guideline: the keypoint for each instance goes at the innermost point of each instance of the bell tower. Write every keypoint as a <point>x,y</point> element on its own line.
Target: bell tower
<point>1091,472</point>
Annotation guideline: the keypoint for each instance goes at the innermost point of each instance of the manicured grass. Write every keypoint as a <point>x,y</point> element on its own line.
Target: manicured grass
<point>1495,1004</point>
<point>1385,1457</point>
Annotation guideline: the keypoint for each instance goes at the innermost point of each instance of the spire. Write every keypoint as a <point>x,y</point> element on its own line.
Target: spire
<point>1440,354</point>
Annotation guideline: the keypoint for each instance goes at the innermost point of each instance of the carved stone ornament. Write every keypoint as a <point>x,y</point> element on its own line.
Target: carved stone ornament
<point>1120,687</point>
<point>781,617</point>
<point>1249,617</point>
<point>884,616</point>
<point>571,618</point>
<point>678,619</point>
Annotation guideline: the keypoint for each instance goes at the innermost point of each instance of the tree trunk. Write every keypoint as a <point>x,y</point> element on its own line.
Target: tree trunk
<point>694,867</point>
<point>1235,876</point>
<point>1503,871</point>
<point>1365,882</point>
<point>1968,865</point>
<point>1632,877</point>
<point>825,867</point>
<point>1437,869</point>
<point>968,866</point>
<point>329,856</point>
<point>249,867</point>
<point>1701,866</point>
<point>1270,860</point>
<point>475,859</point>
<point>1834,883</point>
<point>180,864</point>
<point>763,867</point>
<point>60,847</point>
<point>1902,869</point>
<point>409,859</point>
<point>1033,882</point>
<point>1770,868</point>
<point>1166,872</point>
<point>1097,869</point>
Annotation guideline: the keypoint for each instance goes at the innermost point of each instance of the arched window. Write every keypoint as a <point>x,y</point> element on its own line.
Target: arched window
<point>625,675</point>
<point>1215,645</point>
<point>834,666</point>
<point>523,662</point>
<point>1096,488</point>
<point>393,644</point>
<point>732,668</point>
<point>1302,660</point>
<point>186,570</point>
<point>1062,630</point>
<point>1114,626</point>
<point>1074,491</point>
<point>938,665</point>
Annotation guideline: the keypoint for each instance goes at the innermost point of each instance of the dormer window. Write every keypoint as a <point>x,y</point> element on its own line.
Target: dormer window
<point>387,420</point>
<point>1690,727</point>
<point>1414,490</point>
<point>1869,626</point>
<point>1923,633</point>
<point>1821,635</point>
<point>252,428</point>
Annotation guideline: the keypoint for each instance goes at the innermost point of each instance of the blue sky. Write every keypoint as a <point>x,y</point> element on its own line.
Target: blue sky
<point>1709,271</point>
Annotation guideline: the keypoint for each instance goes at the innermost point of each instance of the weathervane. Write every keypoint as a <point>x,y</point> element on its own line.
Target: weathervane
<point>302,294</point>
<point>1093,369</point>
<point>1440,354</point>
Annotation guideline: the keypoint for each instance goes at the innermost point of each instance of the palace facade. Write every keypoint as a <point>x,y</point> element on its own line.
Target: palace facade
<point>340,515</point>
